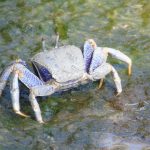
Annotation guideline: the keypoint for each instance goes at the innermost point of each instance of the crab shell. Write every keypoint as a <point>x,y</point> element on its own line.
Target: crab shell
<point>64,64</point>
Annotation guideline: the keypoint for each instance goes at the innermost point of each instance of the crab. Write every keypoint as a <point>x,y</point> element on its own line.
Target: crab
<point>61,68</point>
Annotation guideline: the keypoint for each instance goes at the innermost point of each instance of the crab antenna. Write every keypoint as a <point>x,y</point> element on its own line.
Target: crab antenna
<point>43,44</point>
<point>57,40</point>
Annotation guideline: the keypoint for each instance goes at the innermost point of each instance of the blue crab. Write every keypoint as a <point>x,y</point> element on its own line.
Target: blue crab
<point>61,68</point>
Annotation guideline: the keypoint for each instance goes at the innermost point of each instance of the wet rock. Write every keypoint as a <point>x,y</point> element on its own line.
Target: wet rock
<point>119,147</point>
<point>146,148</point>
<point>84,118</point>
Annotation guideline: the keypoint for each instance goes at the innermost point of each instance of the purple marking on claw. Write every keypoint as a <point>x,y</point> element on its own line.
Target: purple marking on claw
<point>28,78</point>
<point>87,53</point>
<point>45,74</point>
<point>99,57</point>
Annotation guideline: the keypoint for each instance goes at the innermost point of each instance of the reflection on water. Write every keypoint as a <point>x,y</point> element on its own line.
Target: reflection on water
<point>86,117</point>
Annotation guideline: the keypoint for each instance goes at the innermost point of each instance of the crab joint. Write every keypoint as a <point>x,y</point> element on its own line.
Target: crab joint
<point>20,74</point>
<point>93,43</point>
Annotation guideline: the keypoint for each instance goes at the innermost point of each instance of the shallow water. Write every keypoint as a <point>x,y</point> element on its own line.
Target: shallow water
<point>84,118</point>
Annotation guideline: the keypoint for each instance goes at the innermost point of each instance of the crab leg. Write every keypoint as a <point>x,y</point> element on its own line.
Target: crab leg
<point>36,86</point>
<point>101,83</point>
<point>103,70</point>
<point>30,80</point>
<point>42,90</point>
<point>119,55</point>
<point>57,40</point>
<point>36,108</point>
<point>43,45</point>
<point>15,95</point>
<point>117,80</point>
<point>6,73</point>
<point>4,77</point>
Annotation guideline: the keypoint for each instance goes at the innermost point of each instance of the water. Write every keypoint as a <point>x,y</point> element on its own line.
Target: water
<point>84,118</point>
